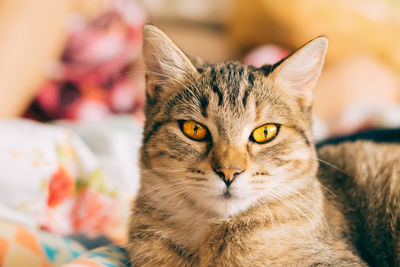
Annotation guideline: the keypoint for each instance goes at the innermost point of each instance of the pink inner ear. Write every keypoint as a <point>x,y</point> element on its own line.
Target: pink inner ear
<point>299,73</point>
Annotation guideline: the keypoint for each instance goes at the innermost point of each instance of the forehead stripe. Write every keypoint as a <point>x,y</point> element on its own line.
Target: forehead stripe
<point>251,79</point>
<point>203,105</point>
<point>248,89</point>
<point>215,88</point>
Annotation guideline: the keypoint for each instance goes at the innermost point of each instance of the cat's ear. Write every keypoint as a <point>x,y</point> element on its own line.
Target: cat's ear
<point>299,72</point>
<point>165,63</point>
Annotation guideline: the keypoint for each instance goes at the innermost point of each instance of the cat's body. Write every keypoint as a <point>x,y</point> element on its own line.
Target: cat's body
<point>365,185</point>
<point>228,167</point>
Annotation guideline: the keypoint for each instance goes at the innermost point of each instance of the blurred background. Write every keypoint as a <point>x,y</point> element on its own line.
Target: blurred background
<point>74,69</point>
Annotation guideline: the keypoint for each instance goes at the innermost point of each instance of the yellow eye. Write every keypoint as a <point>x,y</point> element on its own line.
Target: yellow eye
<point>194,130</point>
<point>264,133</point>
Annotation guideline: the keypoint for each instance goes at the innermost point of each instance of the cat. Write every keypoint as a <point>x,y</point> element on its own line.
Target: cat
<point>229,170</point>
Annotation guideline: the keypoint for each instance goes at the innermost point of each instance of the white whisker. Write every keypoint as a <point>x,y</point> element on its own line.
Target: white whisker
<point>331,165</point>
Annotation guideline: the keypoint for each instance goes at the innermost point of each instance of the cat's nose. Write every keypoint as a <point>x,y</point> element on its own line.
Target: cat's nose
<point>228,174</point>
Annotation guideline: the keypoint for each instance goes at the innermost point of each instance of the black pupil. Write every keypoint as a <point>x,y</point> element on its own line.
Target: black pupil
<point>195,129</point>
<point>265,132</point>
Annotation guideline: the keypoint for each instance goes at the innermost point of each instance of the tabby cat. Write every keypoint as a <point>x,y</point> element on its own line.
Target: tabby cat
<point>229,170</point>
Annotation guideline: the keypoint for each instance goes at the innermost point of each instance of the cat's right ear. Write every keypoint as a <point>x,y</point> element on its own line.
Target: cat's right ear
<point>166,65</point>
<point>299,72</point>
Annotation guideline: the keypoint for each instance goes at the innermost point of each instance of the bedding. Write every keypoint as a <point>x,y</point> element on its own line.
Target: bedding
<point>21,246</point>
<point>53,184</point>
<point>111,256</point>
<point>49,179</point>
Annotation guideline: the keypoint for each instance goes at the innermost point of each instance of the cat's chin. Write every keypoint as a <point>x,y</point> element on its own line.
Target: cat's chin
<point>227,204</point>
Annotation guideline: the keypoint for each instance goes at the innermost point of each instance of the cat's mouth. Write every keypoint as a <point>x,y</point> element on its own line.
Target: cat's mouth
<point>227,194</point>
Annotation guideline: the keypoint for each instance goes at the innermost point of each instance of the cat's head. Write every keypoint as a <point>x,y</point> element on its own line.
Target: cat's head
<point>228,135</point>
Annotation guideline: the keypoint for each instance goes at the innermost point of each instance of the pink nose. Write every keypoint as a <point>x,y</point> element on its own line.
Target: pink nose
<point>228,174</point>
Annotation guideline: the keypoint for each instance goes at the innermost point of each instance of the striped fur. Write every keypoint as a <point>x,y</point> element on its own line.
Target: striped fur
<point>275,212</point>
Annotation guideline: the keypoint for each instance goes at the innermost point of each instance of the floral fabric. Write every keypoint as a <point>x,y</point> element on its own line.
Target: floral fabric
<point>49,179</point>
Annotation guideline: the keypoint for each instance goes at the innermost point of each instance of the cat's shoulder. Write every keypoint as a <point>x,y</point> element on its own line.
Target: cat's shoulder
<point>361,152</point>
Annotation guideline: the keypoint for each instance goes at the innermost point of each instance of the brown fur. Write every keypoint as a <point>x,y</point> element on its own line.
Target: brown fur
<point>365,186</point>
<point>275,212</point>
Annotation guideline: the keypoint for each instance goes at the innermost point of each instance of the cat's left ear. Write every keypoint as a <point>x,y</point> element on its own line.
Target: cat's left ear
<point>298,74</point>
